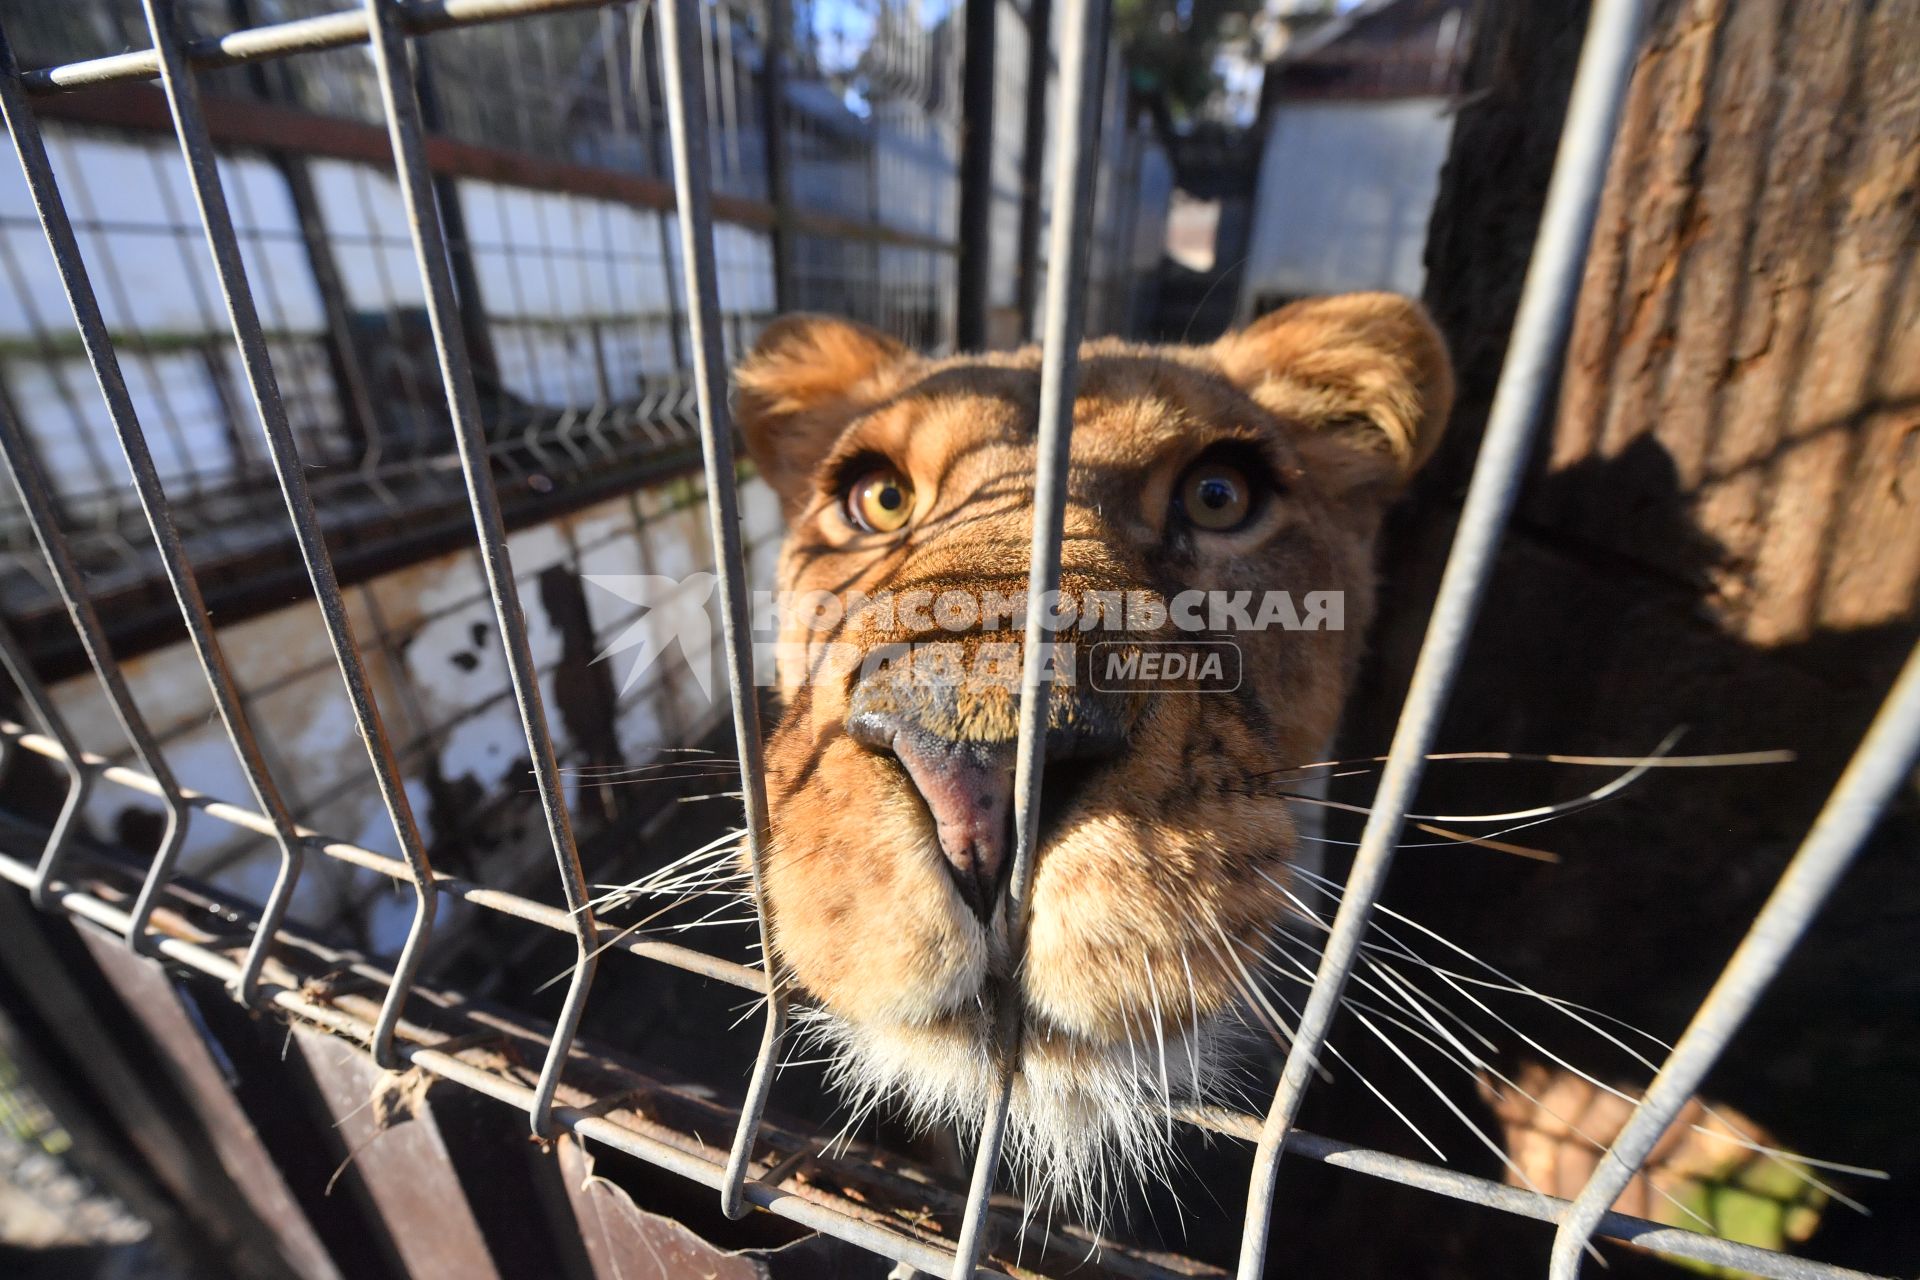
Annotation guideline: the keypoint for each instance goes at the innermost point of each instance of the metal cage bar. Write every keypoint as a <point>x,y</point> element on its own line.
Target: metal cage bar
<point>680,26</point>
<point>203,173</point>
<point>1884,760</point>
<point>1532,363</point>
<point>1082,57</point>
<point>402,104</point>
<point>79,783</point>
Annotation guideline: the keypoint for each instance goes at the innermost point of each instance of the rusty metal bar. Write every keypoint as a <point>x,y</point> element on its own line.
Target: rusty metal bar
<point>586,1121</point>
<point>456,375</point>
<point>203,172</point>
<point>687,132</point>
<point>45,192</point>
<point>242,122</point>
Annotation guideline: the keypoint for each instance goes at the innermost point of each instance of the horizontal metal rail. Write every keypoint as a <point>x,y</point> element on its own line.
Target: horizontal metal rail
<point>302,35</point>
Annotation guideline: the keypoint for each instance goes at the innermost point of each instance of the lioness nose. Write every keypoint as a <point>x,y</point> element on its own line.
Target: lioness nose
<point>967,781</point>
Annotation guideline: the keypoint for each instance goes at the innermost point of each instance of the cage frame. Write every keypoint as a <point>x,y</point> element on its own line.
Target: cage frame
<point>1882,760</point>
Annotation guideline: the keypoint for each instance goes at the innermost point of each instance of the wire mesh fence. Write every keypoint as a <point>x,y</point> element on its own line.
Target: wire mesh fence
<point>425,296</point>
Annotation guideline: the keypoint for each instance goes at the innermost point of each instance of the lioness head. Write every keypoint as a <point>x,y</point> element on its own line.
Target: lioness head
<point>1256,466</point>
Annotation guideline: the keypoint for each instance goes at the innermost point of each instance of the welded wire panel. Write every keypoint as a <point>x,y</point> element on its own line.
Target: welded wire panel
<point>679,94</point>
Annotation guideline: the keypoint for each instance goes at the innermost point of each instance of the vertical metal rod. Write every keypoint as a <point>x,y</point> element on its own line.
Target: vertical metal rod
<point>1082,56</point>
<point>32,150</point>
<point>693,205</point>
<point>773,122</point>
<point>456,374</point>
<point>976,177</point>
<point>1885,758</point>
<point>482,355</point>
<point>203,172</point>
<point>79,780</point>
<point>1033,154</point>
<point>1532,363</point>
<point>37,500</point>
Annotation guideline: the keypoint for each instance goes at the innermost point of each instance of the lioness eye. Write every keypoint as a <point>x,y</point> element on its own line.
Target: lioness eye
<point>880,500</point>
<point>1216,496</point>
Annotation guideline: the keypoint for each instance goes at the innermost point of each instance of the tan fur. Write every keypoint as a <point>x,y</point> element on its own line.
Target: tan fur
<point>1164,875</point>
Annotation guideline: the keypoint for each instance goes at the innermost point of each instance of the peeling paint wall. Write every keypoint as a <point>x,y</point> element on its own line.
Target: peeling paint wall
<point>438,671</point>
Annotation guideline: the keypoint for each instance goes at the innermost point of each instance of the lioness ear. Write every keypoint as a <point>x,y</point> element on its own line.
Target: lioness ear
<point>1370,369</point>
<point>797,388</point>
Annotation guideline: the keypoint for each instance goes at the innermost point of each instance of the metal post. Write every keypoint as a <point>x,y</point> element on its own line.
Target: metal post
<point>1082,52</point>
<point>975,268</point>
<point>456,375</point>
<point>1033,155</point>
<point>687,130</point>
<point>1532,364</point>
<point>1879,767</point>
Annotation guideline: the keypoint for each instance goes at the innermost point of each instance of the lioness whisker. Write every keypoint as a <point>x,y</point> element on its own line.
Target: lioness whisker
<point>1573,805</point>
<point>1160,1040</point>
<point>1340,1057</point>
<point>710,795</point>
<point>1283,1034</point>
<point>1723,760</point>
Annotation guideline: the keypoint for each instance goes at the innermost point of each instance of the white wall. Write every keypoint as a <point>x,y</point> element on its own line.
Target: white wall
<point>1345,192</point>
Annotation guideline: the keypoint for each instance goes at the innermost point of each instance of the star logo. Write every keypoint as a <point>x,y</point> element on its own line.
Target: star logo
<point>676,612</point>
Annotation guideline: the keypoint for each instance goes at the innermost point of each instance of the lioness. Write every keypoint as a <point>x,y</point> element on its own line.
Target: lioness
<point>1261,463</point>
<point>1258,466</point>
